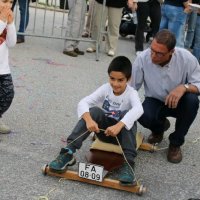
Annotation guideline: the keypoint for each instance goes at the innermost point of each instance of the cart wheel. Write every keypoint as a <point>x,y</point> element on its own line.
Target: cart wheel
<point>142,190</point>
<point>44,169</point>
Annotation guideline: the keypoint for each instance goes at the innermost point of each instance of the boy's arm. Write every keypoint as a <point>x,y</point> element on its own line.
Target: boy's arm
<point>92,100</point>
<point>91,125</point>
<point>135,112</point>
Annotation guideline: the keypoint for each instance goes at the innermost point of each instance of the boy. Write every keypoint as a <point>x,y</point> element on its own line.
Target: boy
<point>7,39</point>
<point>121,107</point>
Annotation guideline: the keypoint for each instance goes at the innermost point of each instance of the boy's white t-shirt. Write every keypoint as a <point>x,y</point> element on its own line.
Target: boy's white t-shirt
<point>9,42</point>
<point>114,105</point>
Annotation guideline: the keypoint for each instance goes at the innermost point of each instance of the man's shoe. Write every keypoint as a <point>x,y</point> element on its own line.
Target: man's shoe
<point>174,154</point>
<point>20,40</point>
<point>4,129</point>
<point>70,53</point>
<point>111,52</point>
<point>86,35</point>
<point>127,175</point>
<point>157,138</point>
<point>91,50</point>
<point>79,52</point>
<point>64,159</point>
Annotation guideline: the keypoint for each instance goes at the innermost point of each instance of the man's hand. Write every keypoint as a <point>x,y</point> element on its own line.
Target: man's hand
<point>115,129</point>
<point>174,96</point>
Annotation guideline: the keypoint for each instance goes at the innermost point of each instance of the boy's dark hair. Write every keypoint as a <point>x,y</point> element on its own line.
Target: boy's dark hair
<point>166,38</point>
<point>121,64</point>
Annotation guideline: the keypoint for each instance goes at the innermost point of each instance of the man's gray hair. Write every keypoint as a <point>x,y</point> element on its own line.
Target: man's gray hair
<point>166,38</point>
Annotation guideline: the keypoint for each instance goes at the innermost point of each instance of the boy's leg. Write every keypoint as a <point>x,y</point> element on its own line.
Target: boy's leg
<point>127,140</point>
<point>98,116</point>
<point>75,140</point>
<point>6,97</point>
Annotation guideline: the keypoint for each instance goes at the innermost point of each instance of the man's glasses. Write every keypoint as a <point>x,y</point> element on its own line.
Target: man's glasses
<point>158,54</point>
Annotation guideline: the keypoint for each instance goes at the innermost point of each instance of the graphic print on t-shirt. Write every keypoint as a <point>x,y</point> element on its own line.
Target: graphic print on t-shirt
<point>111,108</point>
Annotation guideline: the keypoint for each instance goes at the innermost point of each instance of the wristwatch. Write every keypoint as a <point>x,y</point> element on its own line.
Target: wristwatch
<point>186,87</point>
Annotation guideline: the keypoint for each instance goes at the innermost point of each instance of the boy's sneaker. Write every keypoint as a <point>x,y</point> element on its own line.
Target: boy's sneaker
<point>127,176</point>
<point>64,159</point>
<point>4,129</point>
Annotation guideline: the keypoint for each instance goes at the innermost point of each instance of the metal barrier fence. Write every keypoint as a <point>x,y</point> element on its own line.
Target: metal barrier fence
<point>48,20</point>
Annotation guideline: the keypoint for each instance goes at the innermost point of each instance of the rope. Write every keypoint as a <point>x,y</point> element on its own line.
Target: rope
<point>77,138</point>
<point>186,143</point>
<point>45,197</point>
<point>118,144</point>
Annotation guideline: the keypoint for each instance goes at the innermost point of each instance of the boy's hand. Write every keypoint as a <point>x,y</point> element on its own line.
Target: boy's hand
<point>115,129</point>
<point>91,125</point>
<point>10,17</point>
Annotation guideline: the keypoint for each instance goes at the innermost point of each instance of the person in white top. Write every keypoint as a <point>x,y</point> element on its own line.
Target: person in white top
<point>111,111</point>
<point>7,39</point>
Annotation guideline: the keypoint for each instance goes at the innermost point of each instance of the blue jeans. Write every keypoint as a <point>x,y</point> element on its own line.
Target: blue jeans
<point>155,113</point>
<point>191,21</point>
<point>24,15</point>
<point>126,137</point>
<point>174,18</point>
<point>196,48</point>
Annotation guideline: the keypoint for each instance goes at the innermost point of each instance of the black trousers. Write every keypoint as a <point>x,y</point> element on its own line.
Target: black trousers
<point>127,138</point>
<point>155,113</point>
<point>147,9</point>
<point>6,92</point>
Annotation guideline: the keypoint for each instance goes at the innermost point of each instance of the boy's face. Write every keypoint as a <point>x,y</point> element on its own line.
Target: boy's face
<point>118,82</point>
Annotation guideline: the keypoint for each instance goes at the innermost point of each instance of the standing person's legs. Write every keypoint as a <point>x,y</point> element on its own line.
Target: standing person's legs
<point>164,19</point>
<point>114,19</point>
<point>192,18</point>
<point>89,21</point>
<point>142,14</point>
<point>75,24</point>
<point>6,97</point>
<point>196,48</point>
<point>155,16</point>
<point>24,18</point>
<point>97,17</point>
<point>177,19</point>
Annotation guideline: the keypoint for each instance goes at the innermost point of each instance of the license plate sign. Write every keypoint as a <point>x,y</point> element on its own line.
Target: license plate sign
<point>91,171</point>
